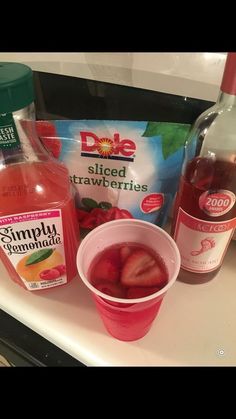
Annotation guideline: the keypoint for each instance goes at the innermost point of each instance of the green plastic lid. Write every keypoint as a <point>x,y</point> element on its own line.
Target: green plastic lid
<point>16,86</point>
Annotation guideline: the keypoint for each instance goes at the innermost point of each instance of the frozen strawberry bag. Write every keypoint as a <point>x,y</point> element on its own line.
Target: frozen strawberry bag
<point>119,169</point>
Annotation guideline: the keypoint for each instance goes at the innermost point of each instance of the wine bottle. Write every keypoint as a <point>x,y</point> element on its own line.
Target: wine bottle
<point>205,211</point>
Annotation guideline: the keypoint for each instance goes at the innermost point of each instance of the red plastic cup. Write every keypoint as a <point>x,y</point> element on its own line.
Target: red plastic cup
<point>128,319</point>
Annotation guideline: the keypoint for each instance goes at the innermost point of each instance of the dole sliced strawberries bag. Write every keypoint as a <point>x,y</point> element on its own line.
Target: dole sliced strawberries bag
<point>119,169</point>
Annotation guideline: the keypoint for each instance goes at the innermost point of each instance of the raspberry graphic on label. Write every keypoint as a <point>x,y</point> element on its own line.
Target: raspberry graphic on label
<point>49,274</point>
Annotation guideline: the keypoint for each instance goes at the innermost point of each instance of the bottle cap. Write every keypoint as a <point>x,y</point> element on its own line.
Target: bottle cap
<point>16,86</point>
<point>228,84</point>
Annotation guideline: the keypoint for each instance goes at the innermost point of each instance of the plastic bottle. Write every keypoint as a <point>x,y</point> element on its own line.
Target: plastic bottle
<point>205,211</point>
<point>39,234</point>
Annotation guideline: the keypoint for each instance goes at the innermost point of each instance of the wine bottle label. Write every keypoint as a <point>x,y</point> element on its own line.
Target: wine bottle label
<point>217,203</point>
<point>33,243</point>
<point>202,244</point>
<point>8,133</point>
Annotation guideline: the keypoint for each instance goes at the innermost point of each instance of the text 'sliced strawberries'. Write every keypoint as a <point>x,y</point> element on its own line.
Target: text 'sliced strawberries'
<point>119,169</point>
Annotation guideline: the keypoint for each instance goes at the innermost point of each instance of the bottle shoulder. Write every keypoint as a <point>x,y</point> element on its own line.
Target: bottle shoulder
<point>218,121</point>
<point>215,113</point>
<point>33,185</point>
<point>213,135</point>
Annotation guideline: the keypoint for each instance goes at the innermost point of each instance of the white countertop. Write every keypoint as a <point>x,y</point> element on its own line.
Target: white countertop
<point>196,324</point>
<point>192,74</point>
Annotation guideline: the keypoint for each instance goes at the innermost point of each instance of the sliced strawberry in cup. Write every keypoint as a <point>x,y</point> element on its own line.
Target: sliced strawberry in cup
<point>142,270</point>
<point>107,268</point>
<point>125,251</point>
<point>139,292</point>
<point>112,289</point>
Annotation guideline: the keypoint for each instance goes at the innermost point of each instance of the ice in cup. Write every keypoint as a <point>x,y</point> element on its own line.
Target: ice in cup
<point>128,301</point>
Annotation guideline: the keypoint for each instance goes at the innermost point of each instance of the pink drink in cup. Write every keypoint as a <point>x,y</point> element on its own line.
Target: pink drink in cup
<point>128,319</point>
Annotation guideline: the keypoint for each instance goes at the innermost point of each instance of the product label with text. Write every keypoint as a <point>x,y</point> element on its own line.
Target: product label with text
<point>202,244</point>
<point>118,168</point>
<point>112,148</point>
<point>217,203</point>
<point>8,133</point>
<point>33,243</point>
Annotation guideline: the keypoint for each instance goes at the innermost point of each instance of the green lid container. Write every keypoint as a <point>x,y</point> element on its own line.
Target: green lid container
<point>16,86</point>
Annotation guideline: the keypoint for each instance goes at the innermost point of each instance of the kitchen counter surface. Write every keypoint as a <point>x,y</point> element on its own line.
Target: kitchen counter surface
<point>196,324</point>
<point>195,74</point>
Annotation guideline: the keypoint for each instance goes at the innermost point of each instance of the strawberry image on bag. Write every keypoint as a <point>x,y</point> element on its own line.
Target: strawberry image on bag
<point>119,169</point>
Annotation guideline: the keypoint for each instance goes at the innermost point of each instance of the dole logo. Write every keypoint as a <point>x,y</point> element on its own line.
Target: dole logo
<point>116,149</point>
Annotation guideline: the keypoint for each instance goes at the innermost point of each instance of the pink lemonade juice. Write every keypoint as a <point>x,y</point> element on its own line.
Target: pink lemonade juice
<point>39,186</point>
<point>128,265</point>
<point>38,227</point>
<point>128,270</point>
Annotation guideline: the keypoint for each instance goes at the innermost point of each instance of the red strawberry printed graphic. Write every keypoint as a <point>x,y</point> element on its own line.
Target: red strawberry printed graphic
<point>53,145</point>
<point>142,270</point>
<point>115,213</point>
<point>97,216</point>
<point>46,129</point>
<point>125,214</point>
<point>81,214</point>
<point>48,135</point>
<point>88,222</point>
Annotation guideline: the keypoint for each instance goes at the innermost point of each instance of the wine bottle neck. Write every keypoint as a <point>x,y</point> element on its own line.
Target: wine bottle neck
<point>226,99</point>
<point>228,84</point>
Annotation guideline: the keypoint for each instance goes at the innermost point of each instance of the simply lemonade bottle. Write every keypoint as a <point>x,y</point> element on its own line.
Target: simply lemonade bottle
<point>39,234</point>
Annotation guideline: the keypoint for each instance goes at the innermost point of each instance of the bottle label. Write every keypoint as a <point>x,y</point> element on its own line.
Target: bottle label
<point>217,203</point>
<point>33,242</point>
<point>8,133</point>
<point>202,244</point>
